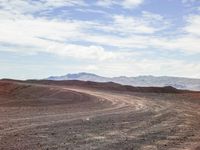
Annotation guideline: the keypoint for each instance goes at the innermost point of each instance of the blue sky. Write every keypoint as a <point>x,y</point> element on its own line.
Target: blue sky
<point>40,38</point>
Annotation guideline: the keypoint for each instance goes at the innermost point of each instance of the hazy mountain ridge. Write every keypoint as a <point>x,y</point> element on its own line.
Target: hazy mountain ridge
<point>177,82</point>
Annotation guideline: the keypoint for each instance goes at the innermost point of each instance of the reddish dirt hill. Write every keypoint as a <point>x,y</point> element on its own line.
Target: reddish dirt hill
<point>88,115</point>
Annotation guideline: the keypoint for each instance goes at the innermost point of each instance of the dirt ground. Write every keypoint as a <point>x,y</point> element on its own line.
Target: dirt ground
<point>49,117</point>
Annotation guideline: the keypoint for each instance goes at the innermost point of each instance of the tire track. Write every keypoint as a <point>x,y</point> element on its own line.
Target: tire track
<point>118,105</point>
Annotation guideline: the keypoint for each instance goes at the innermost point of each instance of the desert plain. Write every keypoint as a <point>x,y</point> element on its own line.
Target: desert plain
<point>49,115</point>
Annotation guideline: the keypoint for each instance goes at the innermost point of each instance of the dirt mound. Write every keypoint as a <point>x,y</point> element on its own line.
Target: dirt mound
<point>7,87</point>
<point>21,94</point>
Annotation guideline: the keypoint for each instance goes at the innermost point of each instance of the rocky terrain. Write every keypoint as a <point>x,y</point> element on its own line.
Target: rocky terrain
<point>64,115</point>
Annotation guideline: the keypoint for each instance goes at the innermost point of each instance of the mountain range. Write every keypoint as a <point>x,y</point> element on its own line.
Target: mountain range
<point>141,81</point>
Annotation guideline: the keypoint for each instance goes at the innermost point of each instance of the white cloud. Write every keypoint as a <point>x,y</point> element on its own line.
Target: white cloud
<point>33,34</point>
<point>21,32</point>
<point>52,36</point>
<point>147,23</point>
<point>193,25</point>
<point>187,41</point>
<point>106,3</point>
<point>131,25</point>
<point>26,30</point>
<point>188,1</point>
<point>27,34</point>
<point>29,6</point>
<point>127,4</point>
<point>131,3</point>
<point>30,44</point>
<point>41,35</point>
<point>97,53</point>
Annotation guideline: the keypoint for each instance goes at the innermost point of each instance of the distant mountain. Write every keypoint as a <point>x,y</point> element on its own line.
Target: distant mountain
<point>80,76</point>
<point>144,81</point>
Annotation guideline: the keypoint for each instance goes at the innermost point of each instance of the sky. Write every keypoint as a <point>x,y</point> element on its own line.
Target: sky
<point>41,38</point>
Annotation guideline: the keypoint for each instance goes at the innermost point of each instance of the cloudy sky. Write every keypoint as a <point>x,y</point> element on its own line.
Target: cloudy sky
<point>39,38</point>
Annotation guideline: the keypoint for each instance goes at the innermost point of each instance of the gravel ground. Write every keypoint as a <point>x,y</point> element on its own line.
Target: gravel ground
<point>48,117</point>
